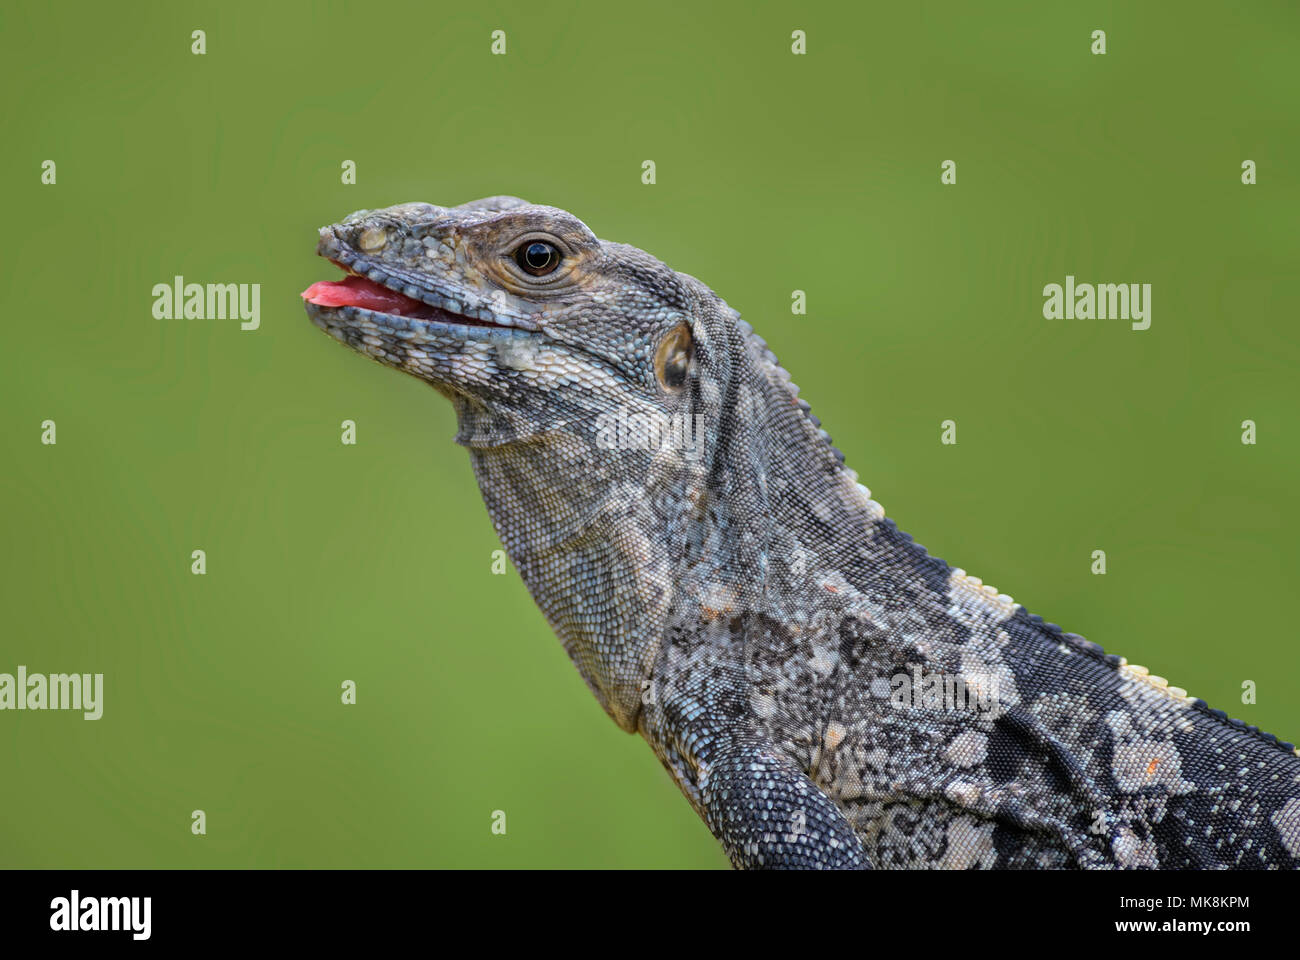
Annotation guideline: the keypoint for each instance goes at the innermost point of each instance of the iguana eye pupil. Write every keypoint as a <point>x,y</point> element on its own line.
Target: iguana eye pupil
<point>673,358</point>
<point>538,257</point>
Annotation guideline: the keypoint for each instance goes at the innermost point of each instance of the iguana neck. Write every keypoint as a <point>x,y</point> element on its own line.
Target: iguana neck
<point>778,504</point>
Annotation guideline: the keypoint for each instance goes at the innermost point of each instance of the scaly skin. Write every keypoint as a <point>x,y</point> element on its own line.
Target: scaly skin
<point>744,604</point>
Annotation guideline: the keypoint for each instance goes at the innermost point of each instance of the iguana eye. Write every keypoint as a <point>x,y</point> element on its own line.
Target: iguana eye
<point>673,358</point>
<point>538,257</point>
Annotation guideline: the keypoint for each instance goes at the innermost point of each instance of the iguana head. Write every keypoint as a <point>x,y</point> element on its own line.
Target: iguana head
<point>582,373</point>
<point>636,445</point>
<point>515,311</point>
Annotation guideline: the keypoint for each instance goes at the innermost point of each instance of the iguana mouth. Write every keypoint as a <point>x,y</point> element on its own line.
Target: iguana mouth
<point>361,292</point>
<point>357,291</point>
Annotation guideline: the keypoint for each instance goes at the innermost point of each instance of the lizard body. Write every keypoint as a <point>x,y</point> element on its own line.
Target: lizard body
<point>823,691</point>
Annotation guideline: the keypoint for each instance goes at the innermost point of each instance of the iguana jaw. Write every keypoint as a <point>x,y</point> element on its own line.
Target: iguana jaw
<point>434,325</point>
<point>383,293</point>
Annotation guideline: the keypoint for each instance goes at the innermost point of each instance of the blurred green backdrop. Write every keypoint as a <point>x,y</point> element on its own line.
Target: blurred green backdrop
<point>775,172</point>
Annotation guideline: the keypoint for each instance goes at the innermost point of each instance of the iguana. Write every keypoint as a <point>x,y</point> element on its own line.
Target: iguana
<point>823,691</point>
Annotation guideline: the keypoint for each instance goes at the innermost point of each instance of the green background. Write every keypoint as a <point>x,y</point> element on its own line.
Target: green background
<point>775,172</point>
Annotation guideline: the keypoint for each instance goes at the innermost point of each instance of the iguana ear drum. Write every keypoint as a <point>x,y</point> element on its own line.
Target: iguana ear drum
<point>673,358</point>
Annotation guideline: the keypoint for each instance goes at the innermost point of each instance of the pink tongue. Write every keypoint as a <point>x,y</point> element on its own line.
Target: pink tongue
<point>360,292</point>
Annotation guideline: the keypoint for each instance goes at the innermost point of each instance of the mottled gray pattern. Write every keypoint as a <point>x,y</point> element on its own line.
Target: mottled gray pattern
<point>823,691</point>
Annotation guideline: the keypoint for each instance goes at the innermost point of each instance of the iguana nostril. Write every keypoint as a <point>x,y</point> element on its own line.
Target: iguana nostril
<point>372,239</point>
